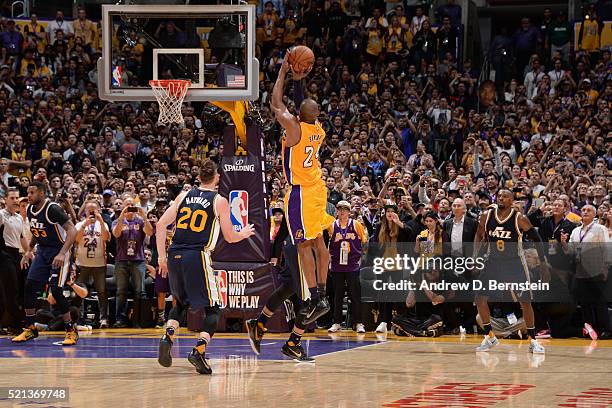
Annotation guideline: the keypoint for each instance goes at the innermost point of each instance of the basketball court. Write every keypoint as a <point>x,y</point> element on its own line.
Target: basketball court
<point>119,368</point>
<point>215,60</point>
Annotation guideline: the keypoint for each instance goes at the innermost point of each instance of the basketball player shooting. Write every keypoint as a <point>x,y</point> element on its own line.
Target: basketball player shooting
<point>306,198</point>
<point>503,229</point>
<point>197,214</point>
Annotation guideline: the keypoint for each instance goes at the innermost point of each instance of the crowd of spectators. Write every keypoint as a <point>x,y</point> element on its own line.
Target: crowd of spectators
<point>406,132</point>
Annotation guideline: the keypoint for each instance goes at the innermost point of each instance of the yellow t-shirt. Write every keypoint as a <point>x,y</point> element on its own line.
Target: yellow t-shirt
<point>375,43</point>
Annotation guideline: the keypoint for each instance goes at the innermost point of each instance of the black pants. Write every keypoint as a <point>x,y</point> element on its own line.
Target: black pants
<point>9,286</point>
<point>591,296</point>
<point>350,280</point>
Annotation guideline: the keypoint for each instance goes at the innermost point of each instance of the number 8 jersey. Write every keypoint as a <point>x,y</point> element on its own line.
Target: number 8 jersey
<point>197,226</point>
<point>505,236</point>
<point>301,162</point>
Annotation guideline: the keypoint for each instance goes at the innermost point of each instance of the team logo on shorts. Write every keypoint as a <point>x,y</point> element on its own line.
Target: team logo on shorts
<point>299,234</point>
<point>221,279</point>
<point>239,209</point>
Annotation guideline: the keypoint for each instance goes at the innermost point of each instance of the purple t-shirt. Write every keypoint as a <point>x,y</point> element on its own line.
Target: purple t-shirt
<point>130,245</point>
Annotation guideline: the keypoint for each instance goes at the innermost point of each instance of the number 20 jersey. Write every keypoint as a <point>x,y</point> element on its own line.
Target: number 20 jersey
<point>196,226</point>
<point>301,162</point>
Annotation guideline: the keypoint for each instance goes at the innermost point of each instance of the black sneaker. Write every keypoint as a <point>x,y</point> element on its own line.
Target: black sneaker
<point>312,310</point>
<point>120,324</point>
<point>159,324</point>
<point>296,353</point>
<point>199,362</point>
<point>255,334</point>
<point>163,352</point>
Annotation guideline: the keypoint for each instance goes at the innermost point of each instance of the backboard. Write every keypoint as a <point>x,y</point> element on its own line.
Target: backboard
<point>212,46</point>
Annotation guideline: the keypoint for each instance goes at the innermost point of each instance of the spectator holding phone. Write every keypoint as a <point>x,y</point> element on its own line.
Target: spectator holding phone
<point>130,230</point>
<point>429,241</point>
<point>91,239</point>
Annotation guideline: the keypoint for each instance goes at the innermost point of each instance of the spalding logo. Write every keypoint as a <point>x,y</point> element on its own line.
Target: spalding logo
<point>239,165</point>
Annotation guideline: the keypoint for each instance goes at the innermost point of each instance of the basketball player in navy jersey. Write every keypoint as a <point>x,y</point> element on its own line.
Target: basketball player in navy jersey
<point>502,227</point>
<point>197,214</point>
<point>53,235</point>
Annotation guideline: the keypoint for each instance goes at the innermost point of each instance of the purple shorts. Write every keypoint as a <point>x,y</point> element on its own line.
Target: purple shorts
<point>162,285</point>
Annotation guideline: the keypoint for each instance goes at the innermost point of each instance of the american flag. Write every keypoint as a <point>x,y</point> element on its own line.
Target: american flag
<point>235,81</point>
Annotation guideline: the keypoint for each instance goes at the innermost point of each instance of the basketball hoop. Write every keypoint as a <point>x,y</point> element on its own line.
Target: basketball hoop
<point>170,95</point>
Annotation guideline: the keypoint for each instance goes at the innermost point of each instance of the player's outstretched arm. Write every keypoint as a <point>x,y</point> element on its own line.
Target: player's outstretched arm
<point>161,232</point>
<point>284,117</point>
<point>222,209</point>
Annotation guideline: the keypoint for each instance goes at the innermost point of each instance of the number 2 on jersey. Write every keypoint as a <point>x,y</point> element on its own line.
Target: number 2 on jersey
<point>194,224</point>
<point>309,150</point>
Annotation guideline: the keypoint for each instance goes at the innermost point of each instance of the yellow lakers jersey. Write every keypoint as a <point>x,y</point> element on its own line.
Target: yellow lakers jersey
<point>301,162</point>
<point>590,35</point>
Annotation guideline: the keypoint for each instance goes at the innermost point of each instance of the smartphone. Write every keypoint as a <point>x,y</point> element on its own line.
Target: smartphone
<point>538,202</point>
<point>132,209</point>
<point>427,173</point>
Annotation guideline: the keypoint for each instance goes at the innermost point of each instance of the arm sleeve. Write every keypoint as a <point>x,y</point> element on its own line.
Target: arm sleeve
<point>298,95</point>
<point>57,215</point>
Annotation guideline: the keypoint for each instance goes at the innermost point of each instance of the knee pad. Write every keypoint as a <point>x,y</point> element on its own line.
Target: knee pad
<point>61,302</point>
<point>211,320</point>
<point>278,297</point>
<point>31,289</point>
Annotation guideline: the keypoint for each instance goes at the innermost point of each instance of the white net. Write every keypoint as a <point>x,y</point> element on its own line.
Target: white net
<point>170,95</point>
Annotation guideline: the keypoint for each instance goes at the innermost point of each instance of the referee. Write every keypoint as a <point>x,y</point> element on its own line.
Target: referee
<point>11,240</point>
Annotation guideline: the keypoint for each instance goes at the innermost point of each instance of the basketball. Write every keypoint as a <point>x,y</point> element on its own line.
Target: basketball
<point>301,59</point>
